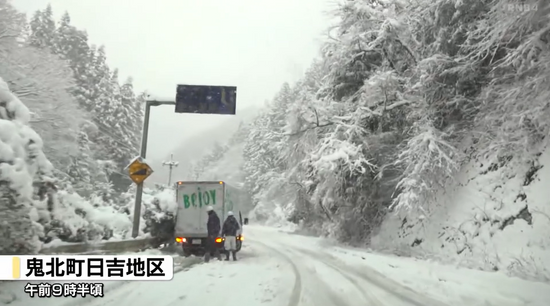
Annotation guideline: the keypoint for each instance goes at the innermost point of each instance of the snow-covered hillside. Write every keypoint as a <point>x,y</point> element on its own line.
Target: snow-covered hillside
<point>194,147</point>
<point>34,212</point>
<point>496,216</point>
<point>437,109</point>
<point>225,163</point>
<point>228,168</point>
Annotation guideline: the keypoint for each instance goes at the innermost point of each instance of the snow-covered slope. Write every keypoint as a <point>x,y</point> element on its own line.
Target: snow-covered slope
<point>228,168</point>
<point>194,147</point>
<point>497,217</point>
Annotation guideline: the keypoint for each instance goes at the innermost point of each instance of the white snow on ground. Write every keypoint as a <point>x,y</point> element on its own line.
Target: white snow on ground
<point>119,222</point>
<point>283,269</point>
<point>448,284</point>
<point>466,225</point>
<point>254,280</point>
<point>451,285</point>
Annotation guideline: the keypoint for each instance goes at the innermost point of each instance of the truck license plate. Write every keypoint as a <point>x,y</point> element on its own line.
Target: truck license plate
<point>196,241</point>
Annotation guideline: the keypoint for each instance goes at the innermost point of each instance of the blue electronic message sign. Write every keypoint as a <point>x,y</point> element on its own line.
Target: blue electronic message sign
<point>201,99</point>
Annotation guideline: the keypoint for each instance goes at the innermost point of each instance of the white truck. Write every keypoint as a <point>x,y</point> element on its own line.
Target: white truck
<point>191,217</point>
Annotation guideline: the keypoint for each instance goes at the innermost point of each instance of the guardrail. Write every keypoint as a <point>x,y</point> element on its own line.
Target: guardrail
<point>109,246</point>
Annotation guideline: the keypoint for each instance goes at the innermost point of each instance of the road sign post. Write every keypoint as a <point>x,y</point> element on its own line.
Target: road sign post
<point>143,153</point>
<point>196,99</point>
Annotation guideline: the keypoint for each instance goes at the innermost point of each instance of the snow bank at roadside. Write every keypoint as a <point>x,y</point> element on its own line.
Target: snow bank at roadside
<point>447,283</point>
<point>80,217</point>
<point>158,209</point>
<point>496,217</point>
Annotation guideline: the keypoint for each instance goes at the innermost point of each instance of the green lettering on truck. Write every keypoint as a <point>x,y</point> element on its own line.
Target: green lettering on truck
<point>213,196</point>
<point>186,201</point>
<point>206,198</point>
<point>203,198</point>
<point>200,196</point>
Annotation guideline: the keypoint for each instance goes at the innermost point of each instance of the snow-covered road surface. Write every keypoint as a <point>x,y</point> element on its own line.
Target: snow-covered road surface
<point>276,268</point>
<point>320,279</point>
<point>273,269</point>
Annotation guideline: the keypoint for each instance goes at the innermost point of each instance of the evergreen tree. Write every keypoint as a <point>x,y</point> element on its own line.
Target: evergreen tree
<point>80,167</point>
<point>12,25</point>
<point>43,29</point>
<point>135,118</point>
<point>114,109</point>
<point>72,45</point>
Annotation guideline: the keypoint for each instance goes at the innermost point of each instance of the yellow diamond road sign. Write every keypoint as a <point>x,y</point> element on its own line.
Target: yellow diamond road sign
<point>139,170</point>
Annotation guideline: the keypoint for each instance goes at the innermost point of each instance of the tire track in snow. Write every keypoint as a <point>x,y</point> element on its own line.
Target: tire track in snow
<point>365,293</point>
<point>321,292</point>
<point>377,279</point>
<point>296,294</point>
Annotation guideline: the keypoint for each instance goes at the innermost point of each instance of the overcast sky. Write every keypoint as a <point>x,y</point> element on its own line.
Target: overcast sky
<point>255,45</point>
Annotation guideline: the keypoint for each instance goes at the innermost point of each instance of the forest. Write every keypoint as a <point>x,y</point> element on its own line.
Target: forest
<point>407,98</point>
<point>86,127</point>
<point>404,95</point>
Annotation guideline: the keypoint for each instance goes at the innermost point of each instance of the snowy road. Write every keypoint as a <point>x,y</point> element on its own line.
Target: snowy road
<point>273,270</point>
<point>321,279</point>
<point>277,268</point>
<point>281,269</point>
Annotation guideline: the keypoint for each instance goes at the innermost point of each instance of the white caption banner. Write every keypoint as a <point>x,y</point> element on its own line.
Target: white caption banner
<point>87,267</point>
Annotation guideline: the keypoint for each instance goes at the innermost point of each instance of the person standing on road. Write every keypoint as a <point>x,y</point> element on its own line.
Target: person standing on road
<point>213,227</point>
<point>230,230</point>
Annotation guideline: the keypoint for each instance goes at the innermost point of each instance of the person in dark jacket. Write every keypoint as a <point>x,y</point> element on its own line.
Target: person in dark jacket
<point>230,231</point>
<point>213,227</point>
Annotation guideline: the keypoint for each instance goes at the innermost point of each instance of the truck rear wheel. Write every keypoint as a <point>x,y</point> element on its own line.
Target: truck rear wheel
<point>186,251</point>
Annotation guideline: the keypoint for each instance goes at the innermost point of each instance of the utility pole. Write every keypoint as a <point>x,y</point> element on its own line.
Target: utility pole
<point>171,164</point>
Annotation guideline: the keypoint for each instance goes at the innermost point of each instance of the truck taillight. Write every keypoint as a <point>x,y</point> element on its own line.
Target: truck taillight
<point>181,239</point>
<point>219,240</point>
<point>241,238</point>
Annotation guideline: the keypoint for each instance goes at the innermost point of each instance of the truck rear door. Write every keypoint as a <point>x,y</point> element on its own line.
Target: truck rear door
<point>193,198</point>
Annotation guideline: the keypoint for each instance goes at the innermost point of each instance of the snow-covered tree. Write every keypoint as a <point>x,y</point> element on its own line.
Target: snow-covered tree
<point>134,105</point>
<point>43,28</point>
<point>43,82</point>
<point>81,167</point>
<point>21,161</point>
